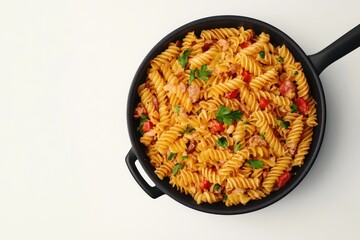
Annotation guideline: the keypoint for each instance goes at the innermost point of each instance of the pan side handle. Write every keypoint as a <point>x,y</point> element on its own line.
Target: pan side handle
<point>342,46</point>
<point>130,159</point>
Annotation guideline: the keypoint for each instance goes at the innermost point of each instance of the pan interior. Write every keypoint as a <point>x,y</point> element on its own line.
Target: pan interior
<point>277,37</point>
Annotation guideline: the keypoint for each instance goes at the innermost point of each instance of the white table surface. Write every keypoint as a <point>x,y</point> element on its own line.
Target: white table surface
<point>65,72</point>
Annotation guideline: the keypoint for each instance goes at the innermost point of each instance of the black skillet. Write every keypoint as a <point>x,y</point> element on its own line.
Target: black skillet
<point>313,65</point>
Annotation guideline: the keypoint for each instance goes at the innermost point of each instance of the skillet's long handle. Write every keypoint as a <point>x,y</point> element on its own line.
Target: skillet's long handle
<point>342,46</point>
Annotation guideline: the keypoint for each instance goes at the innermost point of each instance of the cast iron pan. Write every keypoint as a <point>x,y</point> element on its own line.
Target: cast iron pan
<point>313,65</point>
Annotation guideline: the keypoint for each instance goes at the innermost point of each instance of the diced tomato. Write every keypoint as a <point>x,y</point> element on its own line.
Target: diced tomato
<point>303,106</point>
<point>245,44</point>
<point>283,179</point>
<point>215,126</point>
<point>246,76</point>
<point>263,103</point>
<point>207,45</point>
<point>147,126</point>
<point>139,111</point>
<point>205,184</point>
<point>287,88</point>
<point>232,94</point>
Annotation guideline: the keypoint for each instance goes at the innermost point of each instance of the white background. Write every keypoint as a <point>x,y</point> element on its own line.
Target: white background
<point>65,72</point>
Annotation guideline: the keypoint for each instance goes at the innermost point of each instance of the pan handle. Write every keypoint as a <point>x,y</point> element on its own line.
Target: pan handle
<point>130,159</point>
<point>342,46</point>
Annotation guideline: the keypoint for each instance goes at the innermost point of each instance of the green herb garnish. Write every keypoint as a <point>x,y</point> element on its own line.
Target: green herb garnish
<point>177,167</point>
<point>256,163</point>
<point>225,115</point>
<point>283,123</point>
<point>246,123</point>
<point>296,73</point>
<point>203,73</point>
<point>184,157</point>
<point>187,130</point>
<point>143,119</point>
<point>171,156</point>
<point>293,108</point>
<point>280,59</point>
<point>237,147</point>
<point>177,109</point>
<point>225,197</point>
<point>216,187</point>
<point>262,135</point>
<point>183,58</point>
<point>222,142</point>
<point>192,75</point>
<point>262,54</point>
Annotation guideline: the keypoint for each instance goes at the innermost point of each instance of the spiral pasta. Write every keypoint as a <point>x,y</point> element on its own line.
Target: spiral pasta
<point>226,115</point>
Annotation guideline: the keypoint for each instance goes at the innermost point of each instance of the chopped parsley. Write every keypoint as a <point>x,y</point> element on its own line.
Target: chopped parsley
<point>222,142</point>
<point>262,135</point>
<point>184,157</point>
<point>225,115</point>
<point>237,147</point>
<point>177,167</point>
<point>262,54</point>
<point>143,119</point>
<point>293,107</point>
<point>192,75</point>
<point>203,73</point>
<point>216,187</point>
<point>171,156</point>
<point>255,163</point>
<point>280,59</point>
<point>296,73</point>
<point>225,197</point>
<point>177,109</point>
<point>183,58</point>
<point>283,123</point>
<point>187,130</point>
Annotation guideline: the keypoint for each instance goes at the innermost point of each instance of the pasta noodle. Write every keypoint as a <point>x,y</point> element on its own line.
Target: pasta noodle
<point>225,115</point>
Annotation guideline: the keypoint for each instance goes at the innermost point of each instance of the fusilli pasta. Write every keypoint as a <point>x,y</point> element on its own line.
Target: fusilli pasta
<point>225,115</point>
